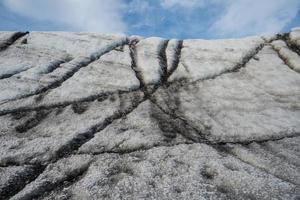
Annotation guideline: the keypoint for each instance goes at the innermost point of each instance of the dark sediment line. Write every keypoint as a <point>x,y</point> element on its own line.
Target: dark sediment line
<point>177,55</point>
<point>236,68</point>
<point>163,62</point>
<point>12,40</point>
<point>5,76</point>
<point>286,38</point>
<point>99,97</point>
<point>18,183</point>
<point>132,48</point>
<point>284,59</point>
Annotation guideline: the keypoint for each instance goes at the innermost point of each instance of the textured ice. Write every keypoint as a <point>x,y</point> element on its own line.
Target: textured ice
<point>94,116</point>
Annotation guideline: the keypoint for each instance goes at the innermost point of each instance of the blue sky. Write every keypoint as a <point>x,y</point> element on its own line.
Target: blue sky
<point>207,19</point>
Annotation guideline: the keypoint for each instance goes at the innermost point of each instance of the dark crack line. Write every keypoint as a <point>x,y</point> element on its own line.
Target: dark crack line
<point>20,182</point>
<point>47,187</point>
<point>243,63</point>
<point>293,47</point>
<point>51,67</point>
<point>32,122</point>
<point>77,66</point>
<point>55,65</point>
<point>286,38</point>
<point>284,59</point>
<point>8,75</point>
<point>148,89</point>
<point>236,68</point>
<point>278,36</point>
<point>12,40</point>
<point>101,96</point>
<point>273,139</point>
<point>163,62</point>
<point>177,56</point>
<point>134,67</point>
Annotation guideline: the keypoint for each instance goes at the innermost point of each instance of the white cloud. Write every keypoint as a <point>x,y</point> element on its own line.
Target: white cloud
<point>245,17</point>
<point>239,17</point>
<point>190,4</point>
<point>82,15</point>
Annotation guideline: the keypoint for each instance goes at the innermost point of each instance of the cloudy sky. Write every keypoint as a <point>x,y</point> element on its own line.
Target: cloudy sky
<point>165,18</point>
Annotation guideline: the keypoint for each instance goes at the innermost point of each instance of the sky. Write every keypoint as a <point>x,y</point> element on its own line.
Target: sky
<point>208,19</point>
